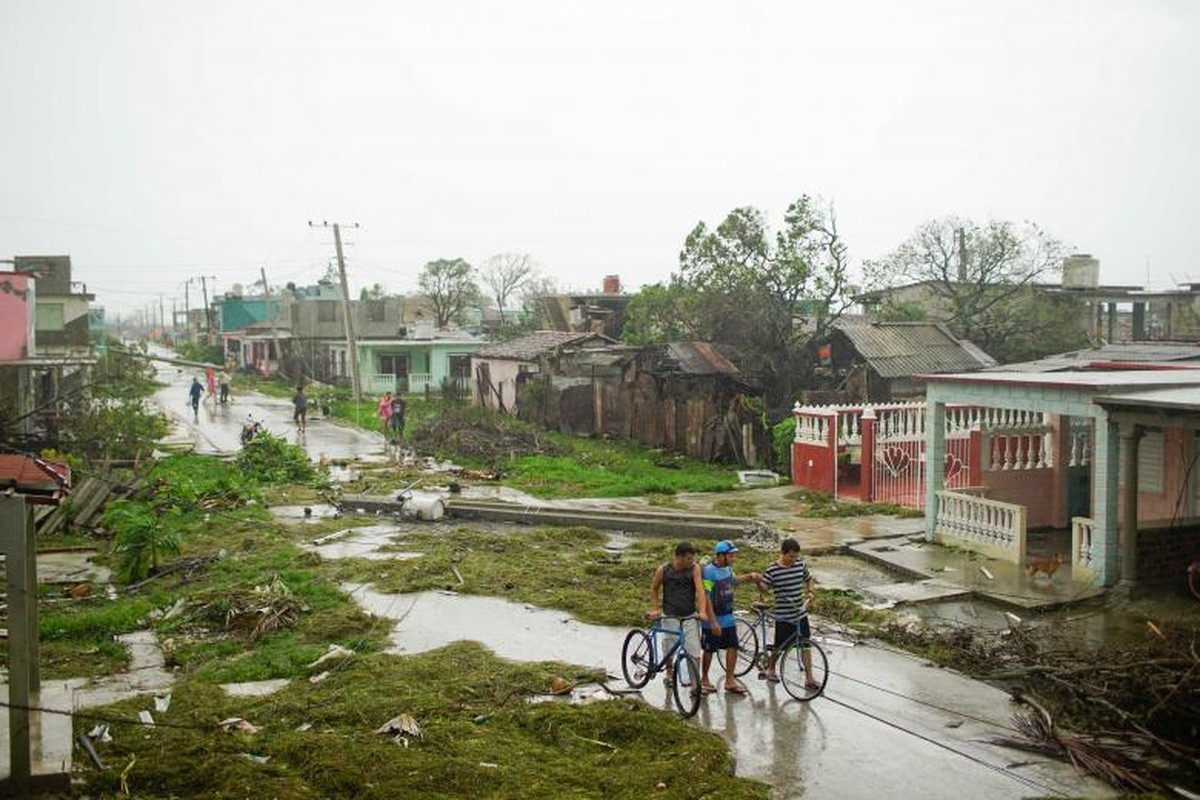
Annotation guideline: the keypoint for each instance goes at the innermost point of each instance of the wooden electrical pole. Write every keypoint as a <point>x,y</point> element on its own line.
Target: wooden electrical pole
<point>351,342</point>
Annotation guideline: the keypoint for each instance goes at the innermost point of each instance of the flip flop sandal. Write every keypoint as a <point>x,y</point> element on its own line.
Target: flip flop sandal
<point>772,679</point>
<point>739,689</point>
<point>708,689</point>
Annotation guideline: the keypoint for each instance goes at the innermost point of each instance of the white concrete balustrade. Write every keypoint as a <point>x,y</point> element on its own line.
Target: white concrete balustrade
<point>986,526</point>
<point>1082,555</point>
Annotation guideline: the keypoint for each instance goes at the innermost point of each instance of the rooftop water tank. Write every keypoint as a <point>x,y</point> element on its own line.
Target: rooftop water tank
<point>1080,271</point>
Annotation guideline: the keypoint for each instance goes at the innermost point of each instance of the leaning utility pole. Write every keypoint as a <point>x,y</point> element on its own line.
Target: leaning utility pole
<point>207,310</point>
<point>274,323</point>
<point>351,342</point>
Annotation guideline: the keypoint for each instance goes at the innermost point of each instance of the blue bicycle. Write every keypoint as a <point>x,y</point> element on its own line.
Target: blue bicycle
<point>640,662</point>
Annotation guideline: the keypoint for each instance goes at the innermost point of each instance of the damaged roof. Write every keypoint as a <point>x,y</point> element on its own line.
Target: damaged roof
<point>535,345</point>
<point>903,349</point>
<point>1110,354</point>
<point>697,358</point>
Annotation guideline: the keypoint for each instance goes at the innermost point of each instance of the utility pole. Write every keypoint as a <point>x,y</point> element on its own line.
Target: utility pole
<point>351,342</point>
<point>187,312</point>
<point>207,310</point>
<point>162,316</point>
<point>274,323</point>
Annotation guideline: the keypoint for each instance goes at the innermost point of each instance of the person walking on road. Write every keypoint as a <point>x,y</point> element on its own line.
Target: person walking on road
<point>677,590</point>
<point>384,412</point>
<point>300,409</point>
<point>223,385</point>
<point>396,418</point>
<point>194,395</point>
<point>720,636</point>
<point>792,583</point>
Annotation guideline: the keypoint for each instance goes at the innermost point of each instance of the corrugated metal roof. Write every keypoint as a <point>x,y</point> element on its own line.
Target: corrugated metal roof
<point>1132,352</point>
<point>902,349</point>
<point>1178,398</point>
<point>531,347</point>
<point>702,358</point>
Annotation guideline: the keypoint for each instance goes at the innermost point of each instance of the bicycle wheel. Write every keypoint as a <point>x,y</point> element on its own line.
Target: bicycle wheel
<point>748,650</point>
<point>793,675</point>
<point>637,658</point>
<point>686,687</point>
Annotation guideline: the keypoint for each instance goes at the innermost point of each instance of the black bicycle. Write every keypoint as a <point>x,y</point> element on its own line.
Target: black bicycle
<point>640,662</point>
<point>802,666</point>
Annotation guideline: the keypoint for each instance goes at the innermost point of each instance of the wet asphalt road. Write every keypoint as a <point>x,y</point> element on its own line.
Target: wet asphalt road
<point>217,428</point>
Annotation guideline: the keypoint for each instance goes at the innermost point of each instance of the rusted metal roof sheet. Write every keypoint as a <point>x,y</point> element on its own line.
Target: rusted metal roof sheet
<point>701,358</point>
<point>903,349</point>
<point>535,345</point>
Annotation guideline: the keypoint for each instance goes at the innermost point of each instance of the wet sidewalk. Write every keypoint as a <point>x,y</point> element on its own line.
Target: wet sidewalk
<point>937,573</point>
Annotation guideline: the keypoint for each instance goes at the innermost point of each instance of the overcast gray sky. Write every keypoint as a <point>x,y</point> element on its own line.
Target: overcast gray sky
<point>153,141</point>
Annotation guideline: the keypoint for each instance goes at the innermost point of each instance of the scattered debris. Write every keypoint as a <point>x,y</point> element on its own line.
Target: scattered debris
<point>253,759</point>
<point>401,728</point>
<point>86,744</point>
<point>987,573</point>
<point>161,704</point>
<point>100,733</point>
<point>489,765</point>
<point>146,718</point>
<point>80,590</point>
<point>303,726</point>
<point>319,677</point>
<point>237,724</point>
<point>334,651</point>
<point>458,575</point>
<point>560,685</point>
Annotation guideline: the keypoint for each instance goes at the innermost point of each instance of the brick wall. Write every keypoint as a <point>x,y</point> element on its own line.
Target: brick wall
<point>1164,554</point>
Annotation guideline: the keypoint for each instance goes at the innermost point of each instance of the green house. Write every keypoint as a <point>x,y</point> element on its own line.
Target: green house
<point>411,365</point>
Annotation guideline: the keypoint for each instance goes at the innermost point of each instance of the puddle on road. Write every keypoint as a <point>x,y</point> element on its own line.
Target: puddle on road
<point>310,513</point>
<point>846,572</point>
<point>428,620</point>
<point>367,543</point>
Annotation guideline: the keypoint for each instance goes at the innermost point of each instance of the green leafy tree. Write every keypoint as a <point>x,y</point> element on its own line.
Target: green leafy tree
<point>450,287</point>
<point>770,293</point>
<point>983,281</point>
<point>144,536</point>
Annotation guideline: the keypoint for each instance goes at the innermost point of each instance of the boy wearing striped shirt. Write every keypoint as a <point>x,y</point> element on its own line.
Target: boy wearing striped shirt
<point>792,583</point>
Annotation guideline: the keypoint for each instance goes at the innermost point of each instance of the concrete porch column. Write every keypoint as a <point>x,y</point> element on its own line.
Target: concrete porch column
<point>935,460</point>
<point>1106,474</point>
<point>1131,438</point>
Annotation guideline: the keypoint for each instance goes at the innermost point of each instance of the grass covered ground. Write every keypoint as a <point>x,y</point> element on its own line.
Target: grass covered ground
<point>481,736</point>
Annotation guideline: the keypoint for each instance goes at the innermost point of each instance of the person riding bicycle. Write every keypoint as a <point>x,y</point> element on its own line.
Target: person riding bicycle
<point>721,633</point>
<point>677,591</point>
<point>788,577</point>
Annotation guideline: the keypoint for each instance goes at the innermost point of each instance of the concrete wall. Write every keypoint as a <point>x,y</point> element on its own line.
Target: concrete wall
<point>503,374</point>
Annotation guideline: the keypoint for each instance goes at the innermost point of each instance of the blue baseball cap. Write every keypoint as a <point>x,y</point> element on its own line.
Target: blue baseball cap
<point>725,546</point>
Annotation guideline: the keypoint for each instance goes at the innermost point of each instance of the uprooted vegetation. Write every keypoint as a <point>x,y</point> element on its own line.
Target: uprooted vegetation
<point>1128,714</point>
<point>472,732</point>
<point>824,505</point>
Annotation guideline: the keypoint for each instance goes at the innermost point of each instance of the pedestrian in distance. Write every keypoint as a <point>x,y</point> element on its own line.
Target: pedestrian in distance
<point>384,412</point>
<point>677,591</point>
<point>720,635</point>
<point>300,409</point>
<point>211,378</point>
<point>194,394</point>
<point>223,386</point>
<point>396,420</point>
<point>788,577</point>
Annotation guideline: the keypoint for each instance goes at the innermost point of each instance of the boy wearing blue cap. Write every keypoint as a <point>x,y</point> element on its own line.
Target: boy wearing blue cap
<point>721,634</point>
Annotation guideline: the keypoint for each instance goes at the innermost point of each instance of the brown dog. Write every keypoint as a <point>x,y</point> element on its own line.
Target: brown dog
<point>1047,566</point>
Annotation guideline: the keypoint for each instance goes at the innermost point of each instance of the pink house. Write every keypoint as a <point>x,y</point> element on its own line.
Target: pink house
<point>16,315</point>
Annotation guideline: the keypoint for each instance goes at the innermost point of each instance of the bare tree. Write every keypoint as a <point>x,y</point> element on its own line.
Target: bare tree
<point>505,274</point>
<point>981,280</point>
<point>449,286</point>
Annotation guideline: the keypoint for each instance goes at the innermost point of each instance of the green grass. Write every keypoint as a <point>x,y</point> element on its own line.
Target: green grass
<point>77,637</point>
<point>822,505</point>
<point>480,739</point>
<point>598,468</point>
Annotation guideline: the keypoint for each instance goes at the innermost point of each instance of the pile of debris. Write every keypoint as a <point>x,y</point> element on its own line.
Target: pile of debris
<point>82,509</point>
<point>1129,712</point>
<point>471,435</point>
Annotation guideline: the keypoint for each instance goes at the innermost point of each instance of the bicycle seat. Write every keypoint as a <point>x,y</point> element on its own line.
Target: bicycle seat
<point>760,605</point>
